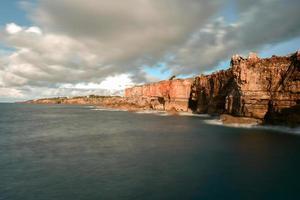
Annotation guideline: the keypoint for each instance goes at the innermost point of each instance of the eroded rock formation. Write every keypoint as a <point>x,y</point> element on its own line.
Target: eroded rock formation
<point>265,90</point>
<point>164,95</point>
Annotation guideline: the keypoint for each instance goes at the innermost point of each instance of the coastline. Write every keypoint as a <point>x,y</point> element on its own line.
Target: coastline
<point>259,91</point>
<point>212,119</point>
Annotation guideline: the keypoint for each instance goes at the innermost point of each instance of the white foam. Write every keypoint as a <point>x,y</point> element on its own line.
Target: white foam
<point>107,109</point>
<point>147,112</point>
<point>153,112</point>
<point>283,129</point>
<point>193,115</point>
<point>214,122</point>
<point>165,113</point>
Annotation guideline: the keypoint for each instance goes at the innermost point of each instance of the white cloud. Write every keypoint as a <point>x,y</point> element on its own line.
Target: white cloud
<point>34,29</point>
<point>119,82</point>
<point>12,28</point>
<point>111,83</point>
<point>10,92</point>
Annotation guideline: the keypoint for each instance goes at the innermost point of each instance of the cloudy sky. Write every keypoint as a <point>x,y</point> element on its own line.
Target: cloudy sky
<point>79,47</point>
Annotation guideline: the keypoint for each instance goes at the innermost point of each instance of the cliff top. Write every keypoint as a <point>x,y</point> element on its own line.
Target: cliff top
<point>162,81</point>
<point>254,58</point>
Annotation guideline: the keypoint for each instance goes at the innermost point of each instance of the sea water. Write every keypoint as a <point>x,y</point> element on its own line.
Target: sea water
<point>80,152</point>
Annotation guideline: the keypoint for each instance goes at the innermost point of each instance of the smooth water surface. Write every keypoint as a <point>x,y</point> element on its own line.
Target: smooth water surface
<point>75,152</point>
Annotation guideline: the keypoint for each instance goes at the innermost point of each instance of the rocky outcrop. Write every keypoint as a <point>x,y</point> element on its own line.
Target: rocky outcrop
<point>164,95</point>
<point>229,119</point>
<point>267,89</point>
<point>208,94</point>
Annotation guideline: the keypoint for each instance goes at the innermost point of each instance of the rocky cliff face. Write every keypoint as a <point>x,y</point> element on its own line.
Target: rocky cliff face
<point>164,95</point>
<point>209,92</point>
<point>266,89</point>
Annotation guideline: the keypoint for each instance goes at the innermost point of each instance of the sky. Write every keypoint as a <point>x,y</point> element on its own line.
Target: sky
<point>79,47</point>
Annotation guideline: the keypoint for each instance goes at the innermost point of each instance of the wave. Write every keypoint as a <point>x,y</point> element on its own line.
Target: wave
<point>194,115</point>
<point>148,112</point>
<point>108,109</point>
<point>283,129</point>
<point>153,112</point>
<point>165,113</point>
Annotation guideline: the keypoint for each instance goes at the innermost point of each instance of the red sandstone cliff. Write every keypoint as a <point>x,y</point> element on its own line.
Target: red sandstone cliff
<point>267,89</point>
<point>164,95</point>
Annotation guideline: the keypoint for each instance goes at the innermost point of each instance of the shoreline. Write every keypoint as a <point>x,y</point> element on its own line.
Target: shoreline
<point>253,90</point>
<point>212,119</point>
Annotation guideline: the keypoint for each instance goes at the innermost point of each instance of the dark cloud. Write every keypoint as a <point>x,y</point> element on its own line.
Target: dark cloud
<point>260,23</point>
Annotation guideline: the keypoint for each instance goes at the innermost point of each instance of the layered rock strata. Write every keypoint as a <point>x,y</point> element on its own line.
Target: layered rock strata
<point>164,95</point>
<point>266,89</point>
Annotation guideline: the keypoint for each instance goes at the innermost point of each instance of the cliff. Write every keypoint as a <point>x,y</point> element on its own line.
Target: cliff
<point>164,95</point>
<point>267,89</point>
<point>113,101</point>
<point>253,89</point>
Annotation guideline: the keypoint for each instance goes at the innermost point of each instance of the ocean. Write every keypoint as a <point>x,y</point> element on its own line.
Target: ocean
<point>60,152</point>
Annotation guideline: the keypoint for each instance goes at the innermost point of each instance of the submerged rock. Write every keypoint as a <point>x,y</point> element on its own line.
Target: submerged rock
<point>229,119</point>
